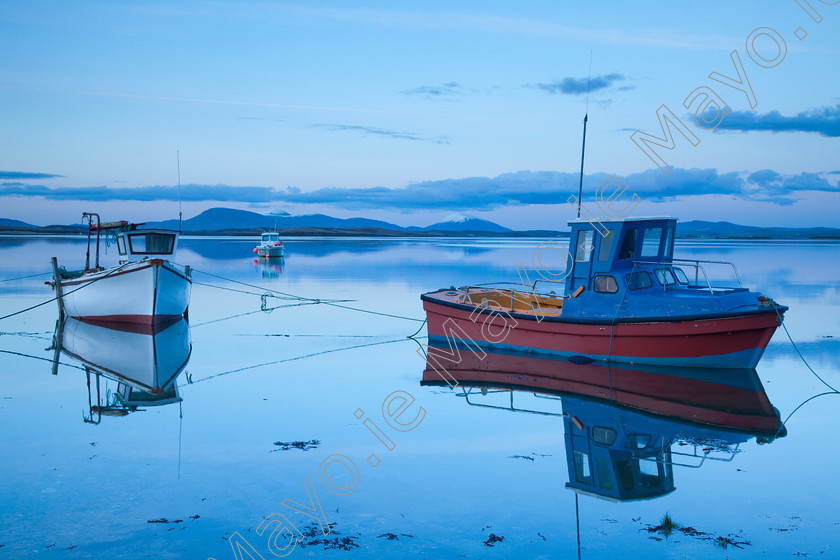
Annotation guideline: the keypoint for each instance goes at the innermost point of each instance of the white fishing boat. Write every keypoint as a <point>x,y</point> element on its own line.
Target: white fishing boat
<point>144,289</point>
<point>270,246</point>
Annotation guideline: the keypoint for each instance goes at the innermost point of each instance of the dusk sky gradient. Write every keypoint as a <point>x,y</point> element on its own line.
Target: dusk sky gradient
<point>408,112</point>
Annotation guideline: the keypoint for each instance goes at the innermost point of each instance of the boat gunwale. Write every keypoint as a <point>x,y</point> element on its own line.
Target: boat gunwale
<point>557,318</point>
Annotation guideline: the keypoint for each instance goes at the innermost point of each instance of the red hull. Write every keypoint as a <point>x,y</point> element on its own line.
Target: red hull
<point>733,399</point>
<point>728,342</point>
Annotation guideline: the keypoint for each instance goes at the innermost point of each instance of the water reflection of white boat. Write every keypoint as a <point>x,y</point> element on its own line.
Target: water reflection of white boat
<point>144,365</point>
<point>146,288</point>
<point>269,268</point>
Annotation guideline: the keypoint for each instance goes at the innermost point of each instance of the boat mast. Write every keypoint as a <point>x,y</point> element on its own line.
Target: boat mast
<point>178,153</point>
<point>583,148</point>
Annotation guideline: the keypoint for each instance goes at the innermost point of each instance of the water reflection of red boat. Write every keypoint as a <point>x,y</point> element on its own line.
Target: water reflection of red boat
<point>626,428</point>
<point>732,398</point>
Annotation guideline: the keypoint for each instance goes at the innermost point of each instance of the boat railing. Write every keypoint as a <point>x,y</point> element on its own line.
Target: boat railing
<point>466,291</point>
<point>696,458</point>
<point>698,268</point>
<point>511,407</point>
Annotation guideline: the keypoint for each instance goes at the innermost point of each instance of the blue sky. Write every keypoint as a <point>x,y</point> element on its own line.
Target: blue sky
<point>409,112</point>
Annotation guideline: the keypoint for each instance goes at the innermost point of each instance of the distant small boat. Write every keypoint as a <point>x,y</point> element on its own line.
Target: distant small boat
<point>627,299</point>
<point>270,245</point>
<point>145,289</point>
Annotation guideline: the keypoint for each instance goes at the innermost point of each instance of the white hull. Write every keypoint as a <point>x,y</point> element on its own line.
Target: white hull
<point>271,251</point>
<point>144,292</point>
<point>147,362</point>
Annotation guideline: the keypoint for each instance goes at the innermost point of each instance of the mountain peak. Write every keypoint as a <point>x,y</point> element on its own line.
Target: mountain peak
<point>457,218</point>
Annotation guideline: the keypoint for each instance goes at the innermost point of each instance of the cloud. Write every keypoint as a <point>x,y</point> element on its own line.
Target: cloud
<point>822,120</point>
<point>370,130</point>
<point>578,86</point>
<point>26,175</point>
<point>476,193</point>
<point>449,88</point>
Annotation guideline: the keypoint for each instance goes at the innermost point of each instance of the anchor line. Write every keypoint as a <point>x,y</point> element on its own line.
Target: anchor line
<point>333,303</point>
<point>804,361</point>
<point>304,356</point>
<point>65,293</point>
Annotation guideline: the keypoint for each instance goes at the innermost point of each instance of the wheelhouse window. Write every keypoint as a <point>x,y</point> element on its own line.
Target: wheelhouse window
<point>121,245</point>
<point>680,275</point>
<point>639,280</point>
<point>606,245</point>
<point>665,276</point>
<point>628,245</point>
<point>582,471</point>
<point>151,243</point>
<point>604,284</point>
<point>651,241</point>
<point>669,242</point>
<point>604,436</point>
<point>583,247</point>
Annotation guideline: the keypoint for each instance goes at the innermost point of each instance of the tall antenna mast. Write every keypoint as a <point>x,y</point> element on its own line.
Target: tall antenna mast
<point>178,153</point>
<point>583,148</point>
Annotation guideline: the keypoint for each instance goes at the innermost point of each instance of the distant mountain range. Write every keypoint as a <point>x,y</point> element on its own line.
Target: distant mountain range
<point>227,221</point>
<point>217,219</point>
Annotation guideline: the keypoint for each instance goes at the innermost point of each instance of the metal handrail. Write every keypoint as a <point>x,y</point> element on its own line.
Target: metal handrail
<point>734,269</point>
<point>511,408</point>
<point>697,267</point>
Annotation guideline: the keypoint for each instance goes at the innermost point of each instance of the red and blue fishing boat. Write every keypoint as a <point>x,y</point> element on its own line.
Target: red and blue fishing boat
<point>625,299</point>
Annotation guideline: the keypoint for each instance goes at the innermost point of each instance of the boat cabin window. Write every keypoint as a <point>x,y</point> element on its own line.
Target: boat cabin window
<point>604,284</point>
<point>637,441</point>
<point>151,243</point>
<point>584,246</point>
<point>606,245</point>
<point>665,276</point>
<point>681,278</point>
<point>582,471</point>
<point>628,245</point>
<point>669,242</point>
<point>639,280</point>
<point>271,237</point>
<point>651,242</point>
<point>604,436</point>
<point>121,245</point>
<point>604,478</point>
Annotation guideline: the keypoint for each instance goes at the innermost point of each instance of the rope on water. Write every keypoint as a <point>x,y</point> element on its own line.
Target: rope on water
<point>65,293</point>
<point>333,303</point>
<point>804,361</point>
<point>24,277</point>
<point>239,370</point>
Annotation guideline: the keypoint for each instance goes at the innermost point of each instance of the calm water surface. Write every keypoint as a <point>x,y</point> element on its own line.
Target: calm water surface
<point>201,468</point>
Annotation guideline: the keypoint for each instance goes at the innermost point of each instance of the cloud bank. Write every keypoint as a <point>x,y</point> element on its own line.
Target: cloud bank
<point>478,193</point>
<point>822,120</point>
<point>578,86</point>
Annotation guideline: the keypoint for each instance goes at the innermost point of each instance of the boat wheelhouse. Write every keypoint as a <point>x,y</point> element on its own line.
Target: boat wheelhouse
<point>625,299</point>
<point>146,288</point>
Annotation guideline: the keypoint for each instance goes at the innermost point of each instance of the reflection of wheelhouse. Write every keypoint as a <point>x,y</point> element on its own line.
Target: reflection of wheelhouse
<point>625,427</point>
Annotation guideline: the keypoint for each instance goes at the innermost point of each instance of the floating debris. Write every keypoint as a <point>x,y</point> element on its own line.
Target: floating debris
<point>520,457</point>
<point>337,542</point>
<point>164,520</point>
<point>302,445</point>
<point>389,536</point>
<point>492,539</point>
<point>667,526</point>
